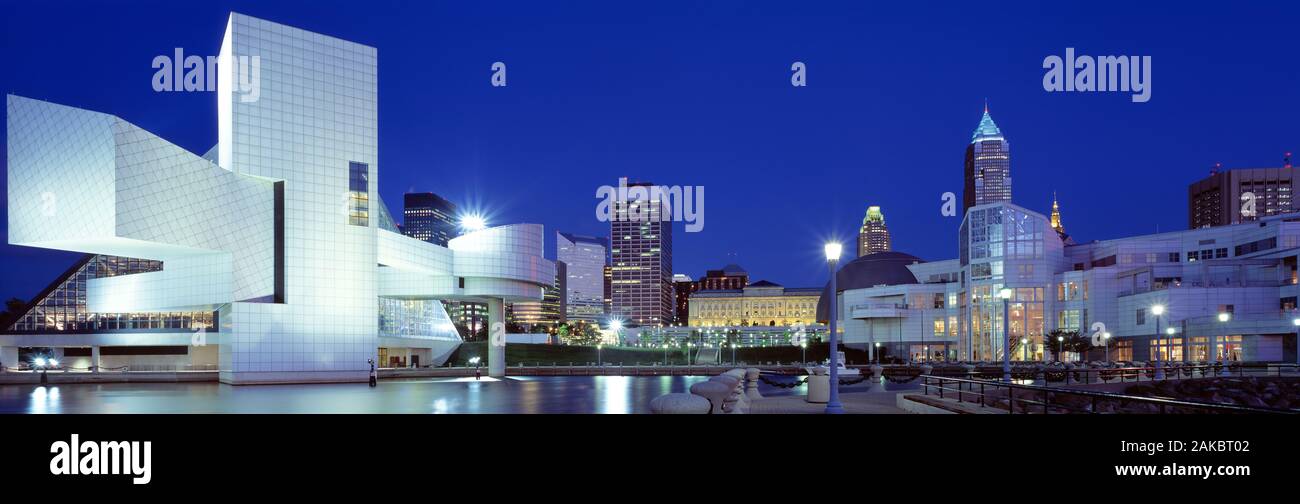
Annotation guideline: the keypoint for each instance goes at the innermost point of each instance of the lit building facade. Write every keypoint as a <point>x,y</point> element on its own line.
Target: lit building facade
<point>641,258</point>
<point>429,217</point>
<point>278,229</point>
<point>585,259</point>
<point>760,303</point>
<point>1220,198</point>
<point>951,310</point>
<point>547,314</point>
<point>988,165</point>
<point>873,237</point>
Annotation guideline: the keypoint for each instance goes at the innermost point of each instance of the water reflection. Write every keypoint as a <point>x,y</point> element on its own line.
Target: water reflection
<point>45,400</point>
<point>541,394</point>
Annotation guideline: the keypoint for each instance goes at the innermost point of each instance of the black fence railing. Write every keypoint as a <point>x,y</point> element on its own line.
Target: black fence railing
<point>1048,400</point>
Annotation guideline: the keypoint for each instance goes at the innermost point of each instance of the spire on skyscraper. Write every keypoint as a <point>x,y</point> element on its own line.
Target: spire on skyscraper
<point>987,130</point>
<point>1056,220</point>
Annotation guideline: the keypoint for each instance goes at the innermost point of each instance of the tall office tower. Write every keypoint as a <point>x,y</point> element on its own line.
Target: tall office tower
<point>609,289</point>
<point>429,217</point>
<point>874,235</point>
<point>544,315</point>
<point>586,258</point>
<point>683,286</point>
<point>1225,197</point>
<point>641,249</point>
<point>988,165</point>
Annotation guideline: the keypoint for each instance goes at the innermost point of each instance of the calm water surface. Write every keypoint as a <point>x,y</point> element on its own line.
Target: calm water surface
<point>519,394</point>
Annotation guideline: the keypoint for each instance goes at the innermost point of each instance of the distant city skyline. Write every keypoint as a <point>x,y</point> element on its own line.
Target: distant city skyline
<point>672,110</point>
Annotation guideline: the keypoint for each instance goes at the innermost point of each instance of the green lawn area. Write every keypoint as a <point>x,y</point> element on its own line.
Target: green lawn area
<point>531,354</point>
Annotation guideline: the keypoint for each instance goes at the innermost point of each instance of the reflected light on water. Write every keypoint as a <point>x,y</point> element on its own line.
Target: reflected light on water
<point>615,394</point>
<point>45,400</point>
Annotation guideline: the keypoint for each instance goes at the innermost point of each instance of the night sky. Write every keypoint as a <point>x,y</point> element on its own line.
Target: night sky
<point>700,95</point>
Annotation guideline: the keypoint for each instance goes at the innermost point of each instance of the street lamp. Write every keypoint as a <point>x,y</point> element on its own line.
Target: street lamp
<point>804,346</point>
<point>1024,349</point>
<point>1296,322</point>
<point>1060,347</point>
<point>1158,310</point>
<point>473,222</point>
<point>665,354</point>
<point>833,406</point>
<point>877,352</point>
<point>1005,294</point>
<point>599,346</point>
<point>1105,337</point>
<point>689,344</point>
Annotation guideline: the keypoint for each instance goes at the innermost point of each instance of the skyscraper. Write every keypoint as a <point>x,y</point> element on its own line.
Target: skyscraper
<point>988,165</point>
<point>874,235</point>
<point>429,217</point>
<point>641,249</point>
<point>586,258</point>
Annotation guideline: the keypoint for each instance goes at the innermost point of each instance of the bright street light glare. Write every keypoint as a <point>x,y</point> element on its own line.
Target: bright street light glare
<point>833,251</point>
<point>473,222</point>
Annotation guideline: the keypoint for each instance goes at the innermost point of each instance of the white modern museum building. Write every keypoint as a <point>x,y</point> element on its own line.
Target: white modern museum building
<point>1224,293</point>
<point>271,257</point>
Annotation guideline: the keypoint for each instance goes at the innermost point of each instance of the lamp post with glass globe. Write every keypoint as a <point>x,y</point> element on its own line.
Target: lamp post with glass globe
<point>1105,337</point>
<point>1158,310</point>
<point>1060,347</point>
<point>804,347</point>
<point>1024,349</point>
<point>833,406</point>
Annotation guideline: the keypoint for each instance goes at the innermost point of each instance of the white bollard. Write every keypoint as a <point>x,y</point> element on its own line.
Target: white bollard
<point>751,383</point>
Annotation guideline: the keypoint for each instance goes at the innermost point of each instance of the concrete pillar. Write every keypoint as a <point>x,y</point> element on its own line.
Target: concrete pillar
<point>496,338</point>
<point>9,357</point>
<point>94,359</point>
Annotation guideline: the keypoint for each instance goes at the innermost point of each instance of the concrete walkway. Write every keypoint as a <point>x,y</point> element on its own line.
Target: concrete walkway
<point>863,402</point>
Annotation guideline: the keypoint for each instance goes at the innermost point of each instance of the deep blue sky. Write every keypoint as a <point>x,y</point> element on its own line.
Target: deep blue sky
<point>691,94</point>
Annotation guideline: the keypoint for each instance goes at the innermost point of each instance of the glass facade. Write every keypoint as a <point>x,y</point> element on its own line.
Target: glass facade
<point>415,318</point>
<point>62,308</point>
<point>585,258</point>
<point>358,194</point>
<point>1002,246</point>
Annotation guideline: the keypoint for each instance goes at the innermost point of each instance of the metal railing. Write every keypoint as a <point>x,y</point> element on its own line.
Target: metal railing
<point>991,393</point>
